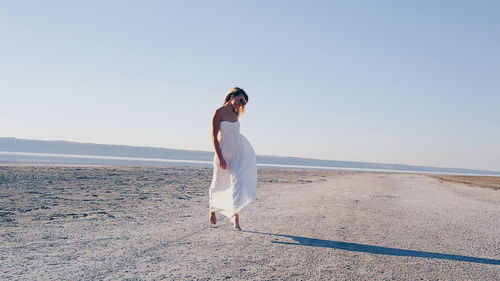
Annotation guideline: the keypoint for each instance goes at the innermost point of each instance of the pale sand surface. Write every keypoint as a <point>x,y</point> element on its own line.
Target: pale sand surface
<point>483,181</point>
<point>123,223</point>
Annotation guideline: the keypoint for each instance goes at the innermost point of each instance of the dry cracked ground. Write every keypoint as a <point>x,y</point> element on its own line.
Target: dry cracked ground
<point>151,223</point>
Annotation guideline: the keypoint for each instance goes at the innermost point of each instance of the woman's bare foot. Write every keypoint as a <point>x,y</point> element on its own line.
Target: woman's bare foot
<point>236,221</point>
<point>213,218</point>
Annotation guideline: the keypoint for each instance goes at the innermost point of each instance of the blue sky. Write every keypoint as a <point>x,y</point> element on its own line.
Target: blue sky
<point>412,82</point>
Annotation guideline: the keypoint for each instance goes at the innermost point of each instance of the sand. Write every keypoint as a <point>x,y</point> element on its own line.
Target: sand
<point>140,223</point>
<point>475,181</point>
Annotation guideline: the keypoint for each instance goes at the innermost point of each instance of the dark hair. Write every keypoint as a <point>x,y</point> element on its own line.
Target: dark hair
<point>235,92</point>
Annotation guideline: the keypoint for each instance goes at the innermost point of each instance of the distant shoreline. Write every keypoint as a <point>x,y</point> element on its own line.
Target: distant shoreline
<point>72,160</point>
<point>13,150</point>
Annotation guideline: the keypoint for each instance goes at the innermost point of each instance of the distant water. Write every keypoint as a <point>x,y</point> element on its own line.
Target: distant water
<point>54,158</point>
<point>75,159</point>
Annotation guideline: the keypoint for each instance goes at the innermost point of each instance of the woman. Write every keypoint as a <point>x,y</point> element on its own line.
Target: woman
<point>234,182</point>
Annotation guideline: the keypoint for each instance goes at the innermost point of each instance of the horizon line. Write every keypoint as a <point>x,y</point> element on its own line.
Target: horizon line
<point>267,155</point>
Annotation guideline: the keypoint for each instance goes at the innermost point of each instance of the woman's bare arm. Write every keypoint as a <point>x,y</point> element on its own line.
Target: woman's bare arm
<point>215,132</point>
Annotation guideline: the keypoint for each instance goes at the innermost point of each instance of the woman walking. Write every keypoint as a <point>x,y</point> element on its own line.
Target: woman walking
<point>234,182</point>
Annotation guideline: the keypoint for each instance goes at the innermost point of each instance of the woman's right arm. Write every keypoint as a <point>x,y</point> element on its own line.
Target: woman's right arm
<point>215,132</point>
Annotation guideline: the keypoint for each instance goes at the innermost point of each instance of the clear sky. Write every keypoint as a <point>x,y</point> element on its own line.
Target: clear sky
<point>410,82</point>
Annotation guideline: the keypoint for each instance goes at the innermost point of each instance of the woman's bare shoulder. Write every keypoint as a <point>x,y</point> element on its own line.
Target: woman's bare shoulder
<point>218,114</point>
<point>220,111</point>
<point>222,108</point>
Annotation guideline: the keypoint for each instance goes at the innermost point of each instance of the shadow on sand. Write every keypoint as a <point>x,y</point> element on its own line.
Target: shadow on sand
<point>304,241</point>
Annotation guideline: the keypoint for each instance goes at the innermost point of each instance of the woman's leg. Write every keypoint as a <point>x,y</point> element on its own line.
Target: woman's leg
<point>236,221</point>
<point>212,218</point>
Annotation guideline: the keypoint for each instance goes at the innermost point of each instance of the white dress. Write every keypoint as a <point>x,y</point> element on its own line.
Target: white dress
<point>234,188</point>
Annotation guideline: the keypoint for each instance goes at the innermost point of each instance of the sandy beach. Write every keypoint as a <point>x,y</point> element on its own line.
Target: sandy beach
<point>151,223</point>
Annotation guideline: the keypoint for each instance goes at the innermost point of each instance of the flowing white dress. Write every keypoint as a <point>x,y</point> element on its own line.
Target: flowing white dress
<point>234,188</point>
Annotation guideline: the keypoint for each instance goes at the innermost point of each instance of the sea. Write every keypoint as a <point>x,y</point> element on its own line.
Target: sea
<point>30,158</point>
